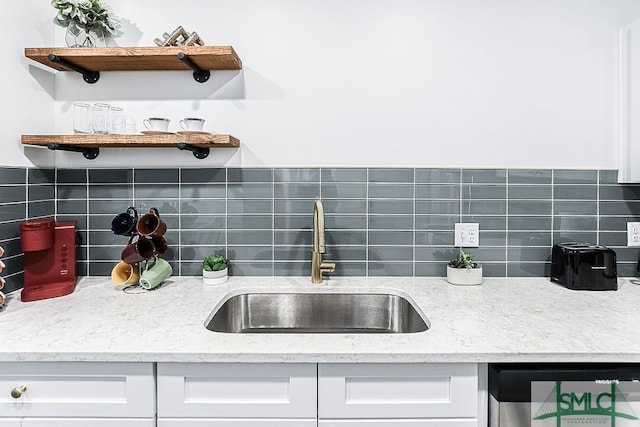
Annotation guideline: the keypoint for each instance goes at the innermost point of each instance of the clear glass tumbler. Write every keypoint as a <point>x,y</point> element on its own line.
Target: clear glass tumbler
<point>100,118</point>
<point>82,122</point>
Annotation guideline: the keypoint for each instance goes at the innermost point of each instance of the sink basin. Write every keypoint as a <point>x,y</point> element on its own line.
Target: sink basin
<point>316,313</point>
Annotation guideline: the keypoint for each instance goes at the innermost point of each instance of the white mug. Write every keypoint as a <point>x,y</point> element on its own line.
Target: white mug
<point>156,123</point>
<point>192,123</point>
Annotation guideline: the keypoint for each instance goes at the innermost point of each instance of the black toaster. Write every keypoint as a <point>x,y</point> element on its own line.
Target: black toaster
<point>583,266</point>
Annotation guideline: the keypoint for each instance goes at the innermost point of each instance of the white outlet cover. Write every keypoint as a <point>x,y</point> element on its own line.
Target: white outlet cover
<point>467,235</point>
<point>633,234</point>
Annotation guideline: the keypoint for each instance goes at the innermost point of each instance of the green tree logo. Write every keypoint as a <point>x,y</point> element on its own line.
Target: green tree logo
<point>611,404</point>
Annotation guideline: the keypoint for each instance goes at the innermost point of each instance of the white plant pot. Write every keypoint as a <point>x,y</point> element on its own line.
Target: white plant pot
<point>215,277</point>
<point>464,276</point>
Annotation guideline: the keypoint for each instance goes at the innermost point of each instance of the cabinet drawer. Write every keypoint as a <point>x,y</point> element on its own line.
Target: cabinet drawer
<point>88,422</point>
<point>400,423</point>
<point>78,389</point>
<point>226,422</point>
<point>397,391</point>
<point>237,390</point>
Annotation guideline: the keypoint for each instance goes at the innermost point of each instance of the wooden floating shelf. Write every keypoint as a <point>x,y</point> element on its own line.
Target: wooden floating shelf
<point>138,58</point>
<point>89,145</point>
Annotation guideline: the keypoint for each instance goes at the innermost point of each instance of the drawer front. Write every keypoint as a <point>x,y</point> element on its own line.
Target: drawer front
<point>226,422</point>
<point>399,423</point>
<point>236,390</point>
<point>89,422</point>
<point>78,389</point>
<point>10,422</point>
<point>398,391</point>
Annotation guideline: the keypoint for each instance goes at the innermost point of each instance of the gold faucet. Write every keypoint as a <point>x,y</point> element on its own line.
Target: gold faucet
<point>318,267</point>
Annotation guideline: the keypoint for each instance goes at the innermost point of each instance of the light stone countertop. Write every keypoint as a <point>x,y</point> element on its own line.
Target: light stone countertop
<point>503,320</point>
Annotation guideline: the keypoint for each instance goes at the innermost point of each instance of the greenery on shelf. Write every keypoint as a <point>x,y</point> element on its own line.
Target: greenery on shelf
<point>85,13</point>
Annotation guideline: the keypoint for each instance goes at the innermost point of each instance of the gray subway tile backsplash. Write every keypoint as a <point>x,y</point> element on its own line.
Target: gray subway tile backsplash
<point>437,176</point>
<point>343,174</point>
<point>110,176</point>
<point>41,176</point>
<point>391,175</point>
<point>10,176</point>
<point>379,221</point>
<point>570,176</point>
<point>156,176</point>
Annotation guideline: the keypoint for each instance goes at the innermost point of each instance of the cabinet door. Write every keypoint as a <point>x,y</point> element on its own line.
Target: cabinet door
<point>87,422</point>
<point>237,390</point>
<point>209,422</point>
<point>9,422</point>
<point>629,90</point>
<point>397,391</point>
<point>73,389</point>
<point>400,423</point>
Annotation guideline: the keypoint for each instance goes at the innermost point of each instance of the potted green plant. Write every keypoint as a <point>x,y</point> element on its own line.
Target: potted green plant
<point>87,21</point>
<point>463,270</point>
<point>215,270</point>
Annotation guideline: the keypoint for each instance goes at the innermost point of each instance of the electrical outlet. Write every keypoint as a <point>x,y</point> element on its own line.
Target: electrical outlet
<point>467,234</point>
<point>633,234</point>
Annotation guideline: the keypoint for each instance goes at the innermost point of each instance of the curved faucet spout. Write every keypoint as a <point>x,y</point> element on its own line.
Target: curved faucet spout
<point>318,227</point>
<point>318,266</point>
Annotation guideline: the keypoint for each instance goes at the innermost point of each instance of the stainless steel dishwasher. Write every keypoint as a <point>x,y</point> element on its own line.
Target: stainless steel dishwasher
<point>576,395</point>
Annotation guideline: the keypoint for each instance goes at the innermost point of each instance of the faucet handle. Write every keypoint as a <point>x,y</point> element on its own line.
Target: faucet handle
<point>328,266</point>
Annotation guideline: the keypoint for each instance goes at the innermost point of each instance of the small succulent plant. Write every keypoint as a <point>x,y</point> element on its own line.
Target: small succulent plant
<point>464,260</point>
<point>215,263</point>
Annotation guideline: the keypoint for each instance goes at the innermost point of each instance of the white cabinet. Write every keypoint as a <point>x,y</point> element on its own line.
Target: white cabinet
<point>229,422</point>
<point>87,422</point>
<point>47,394</point>
<point>629,104</point>
<point>9,422</point>
<point>397,394</point>
<point>326,395</point>
<point>239,395</point>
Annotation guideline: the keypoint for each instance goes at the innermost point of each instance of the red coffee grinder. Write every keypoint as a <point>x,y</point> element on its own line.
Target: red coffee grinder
<point>49,258</point>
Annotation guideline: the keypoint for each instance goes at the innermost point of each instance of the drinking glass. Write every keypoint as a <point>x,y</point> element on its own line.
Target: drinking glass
<point>82,122</point>
<point>100,118</point>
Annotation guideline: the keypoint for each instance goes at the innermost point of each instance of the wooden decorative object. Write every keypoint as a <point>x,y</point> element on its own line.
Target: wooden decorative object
<point>179,37</point>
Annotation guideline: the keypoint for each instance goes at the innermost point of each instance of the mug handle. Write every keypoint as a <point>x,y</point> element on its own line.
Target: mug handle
<point>154,211</point>
<point>146,263</point>
<point>133,212</point>
<point>183,125</point>
<point>146,123</point>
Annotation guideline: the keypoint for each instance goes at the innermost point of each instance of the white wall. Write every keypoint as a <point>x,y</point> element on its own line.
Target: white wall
<point>441,83</point>
<point>27,91</point>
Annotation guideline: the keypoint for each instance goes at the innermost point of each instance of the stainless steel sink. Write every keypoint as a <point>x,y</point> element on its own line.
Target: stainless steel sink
<point>317,313</point>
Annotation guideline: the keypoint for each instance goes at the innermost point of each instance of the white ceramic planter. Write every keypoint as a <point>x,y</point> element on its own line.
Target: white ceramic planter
<point>464,276</point>
<point>215,277</point>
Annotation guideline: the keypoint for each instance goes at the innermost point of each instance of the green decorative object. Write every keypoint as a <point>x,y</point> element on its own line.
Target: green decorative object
<point>87,21</point>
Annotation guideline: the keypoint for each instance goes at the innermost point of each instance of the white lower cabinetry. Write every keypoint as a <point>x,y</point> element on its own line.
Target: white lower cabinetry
<point>238,395</point>
<point>325,395</point>
<point>56,394</point>
<point>227,422</point>
<point>399,423</point>
<point>87,422</point>
<point>398,395</point>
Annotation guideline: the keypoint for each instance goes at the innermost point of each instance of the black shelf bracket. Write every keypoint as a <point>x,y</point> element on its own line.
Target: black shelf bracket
<point>198,152</point>
<point>88,75</point>
<point>89,153</point>
<point>199,74</point>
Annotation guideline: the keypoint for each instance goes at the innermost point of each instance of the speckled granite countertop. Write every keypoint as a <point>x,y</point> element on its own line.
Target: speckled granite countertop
<point>503,320</point>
